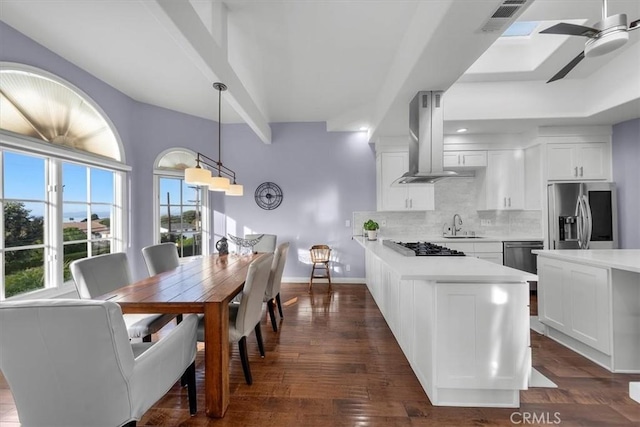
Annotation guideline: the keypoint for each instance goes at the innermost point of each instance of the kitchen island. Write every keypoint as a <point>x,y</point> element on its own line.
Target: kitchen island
<point>462,323</point>
<point>589,301</point>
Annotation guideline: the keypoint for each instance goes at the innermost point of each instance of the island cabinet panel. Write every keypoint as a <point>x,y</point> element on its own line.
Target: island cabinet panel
<point>468,343</point>
<point>423,358</point>
<point>551,298</point>
<point>407,309</point>
<point>575,299</point>
<point>482,336</point>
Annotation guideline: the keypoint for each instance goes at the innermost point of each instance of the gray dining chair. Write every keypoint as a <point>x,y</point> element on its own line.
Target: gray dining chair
<point>70,363</point>
<point>272,293</point>
<point>102,274</point>
<point>245,316</point>
<point>266,244</point>
<point>161,257</point>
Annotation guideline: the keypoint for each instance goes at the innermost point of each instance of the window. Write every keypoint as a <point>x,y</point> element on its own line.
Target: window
<point>61,197</point>
<point>23,209</point>
<point>88,207</point>
<point>520,29</point>
<point>181,209</point>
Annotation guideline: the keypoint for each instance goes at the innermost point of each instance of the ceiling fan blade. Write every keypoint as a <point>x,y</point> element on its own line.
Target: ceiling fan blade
<point>634,25</point>
<point>570,30</point>
<point>560,74</point>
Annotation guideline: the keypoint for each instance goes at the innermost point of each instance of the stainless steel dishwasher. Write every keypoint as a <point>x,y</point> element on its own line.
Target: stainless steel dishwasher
<point>518,255</point>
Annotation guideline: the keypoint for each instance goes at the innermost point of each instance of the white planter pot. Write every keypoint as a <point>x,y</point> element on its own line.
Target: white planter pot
<point>372,234</point>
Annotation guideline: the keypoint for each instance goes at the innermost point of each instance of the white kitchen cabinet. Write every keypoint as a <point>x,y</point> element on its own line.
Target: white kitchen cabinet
<point>466,342</point>
<point>471,318</point>
<point>502,183</point>
<point>575,299</point>
<point>465,159</point>
<point>578,162</point>
<point>488,251</point>
<point>400,197</point>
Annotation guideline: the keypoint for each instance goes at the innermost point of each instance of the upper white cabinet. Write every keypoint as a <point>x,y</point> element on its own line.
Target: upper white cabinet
<point>502,183</point>
<point>465,159</point>
<point>578,162</point>
<point>400,197</point>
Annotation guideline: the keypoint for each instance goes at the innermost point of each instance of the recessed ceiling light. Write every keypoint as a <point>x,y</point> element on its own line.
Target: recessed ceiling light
<point>462,130</point>
<point>363,128</point>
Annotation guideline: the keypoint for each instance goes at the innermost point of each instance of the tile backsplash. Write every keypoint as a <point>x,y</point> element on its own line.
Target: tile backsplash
<point>453,196</point>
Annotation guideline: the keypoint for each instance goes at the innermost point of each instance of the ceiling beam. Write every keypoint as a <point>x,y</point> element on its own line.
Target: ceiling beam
<point>187,29</point>
<point>432,56</point>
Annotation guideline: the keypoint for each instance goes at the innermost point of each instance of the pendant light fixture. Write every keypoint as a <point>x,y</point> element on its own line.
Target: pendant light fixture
<point>201,176</point>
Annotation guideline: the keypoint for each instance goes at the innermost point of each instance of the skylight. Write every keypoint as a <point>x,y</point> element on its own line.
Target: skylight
<point>520,29</point>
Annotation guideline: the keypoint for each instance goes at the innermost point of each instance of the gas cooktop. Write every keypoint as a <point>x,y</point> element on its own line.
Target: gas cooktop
<point>421,249</point>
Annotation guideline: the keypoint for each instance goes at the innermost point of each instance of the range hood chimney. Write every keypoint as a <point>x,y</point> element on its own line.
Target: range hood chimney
<point>426,143</point>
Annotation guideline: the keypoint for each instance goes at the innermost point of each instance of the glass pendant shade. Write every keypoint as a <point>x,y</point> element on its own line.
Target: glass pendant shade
<point>235,190</point>
<point>219,183</point>
<point>197,176</point>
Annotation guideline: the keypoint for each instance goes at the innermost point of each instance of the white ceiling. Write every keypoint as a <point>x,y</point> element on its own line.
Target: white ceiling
<point>350,63</point>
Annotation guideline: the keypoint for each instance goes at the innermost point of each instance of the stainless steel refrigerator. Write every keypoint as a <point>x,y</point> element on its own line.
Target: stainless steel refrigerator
<point>582,215</point>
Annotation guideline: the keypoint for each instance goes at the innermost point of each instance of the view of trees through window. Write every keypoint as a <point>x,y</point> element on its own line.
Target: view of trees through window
<point>85,219</point>
<point>180,215</point>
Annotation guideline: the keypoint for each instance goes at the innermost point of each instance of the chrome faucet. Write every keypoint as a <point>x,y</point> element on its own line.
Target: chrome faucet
<point>454,229</point>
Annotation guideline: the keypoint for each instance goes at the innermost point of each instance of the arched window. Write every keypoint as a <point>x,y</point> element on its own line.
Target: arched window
<point>181,210</point>
<point>62,177</point>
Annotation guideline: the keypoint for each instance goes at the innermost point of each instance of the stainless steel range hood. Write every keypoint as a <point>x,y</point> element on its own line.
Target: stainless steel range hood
<point>426,131</point>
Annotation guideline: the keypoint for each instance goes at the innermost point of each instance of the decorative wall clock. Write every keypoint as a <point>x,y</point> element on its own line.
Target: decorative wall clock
<point>268,195</point>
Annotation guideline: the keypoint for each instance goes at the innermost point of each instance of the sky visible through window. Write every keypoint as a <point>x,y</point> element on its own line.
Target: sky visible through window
<point>24,179</point>
<point>520,29</point>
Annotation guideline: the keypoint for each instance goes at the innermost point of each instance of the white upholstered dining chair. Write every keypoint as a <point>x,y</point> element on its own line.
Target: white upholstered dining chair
<point>266,244</point>
<point>245,316</point>
<point>272,293</point>
<point>69,363</point>
<point>161,257</point>
<point>102,274</point>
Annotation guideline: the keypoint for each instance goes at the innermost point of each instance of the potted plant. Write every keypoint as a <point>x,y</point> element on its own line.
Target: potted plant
<point>372,229</point>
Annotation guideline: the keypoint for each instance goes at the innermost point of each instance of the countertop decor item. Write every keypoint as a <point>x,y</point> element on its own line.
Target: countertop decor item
<point>202,176</point>
<point>246,245</point>
<point>268,195</point>
<point>371,227</point>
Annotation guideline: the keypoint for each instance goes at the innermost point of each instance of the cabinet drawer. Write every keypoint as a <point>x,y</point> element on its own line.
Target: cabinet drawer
<point>495,257</point>
<point>487,247</point>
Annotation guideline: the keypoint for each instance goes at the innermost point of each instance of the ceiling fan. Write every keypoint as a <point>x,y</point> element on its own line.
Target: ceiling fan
<point>605,36</point>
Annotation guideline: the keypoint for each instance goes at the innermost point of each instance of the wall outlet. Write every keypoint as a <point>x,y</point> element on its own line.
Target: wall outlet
<point>383,223</point>
<point>348,267</point>
<point>485,222</point>
<point>347,223</point>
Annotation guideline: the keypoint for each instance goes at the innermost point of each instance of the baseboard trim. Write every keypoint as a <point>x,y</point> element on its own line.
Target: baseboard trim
<point>351,280</point>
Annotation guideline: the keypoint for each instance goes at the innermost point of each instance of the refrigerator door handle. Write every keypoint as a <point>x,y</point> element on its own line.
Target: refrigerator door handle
<point>579,221</point>
<point>589,221</point>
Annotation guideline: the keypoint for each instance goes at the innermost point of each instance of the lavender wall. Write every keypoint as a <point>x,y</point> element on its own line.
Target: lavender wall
<point>324,175</point>
<point>626,173</point>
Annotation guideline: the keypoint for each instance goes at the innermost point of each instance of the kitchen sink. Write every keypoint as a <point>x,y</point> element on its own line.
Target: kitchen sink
<point>462,236</point>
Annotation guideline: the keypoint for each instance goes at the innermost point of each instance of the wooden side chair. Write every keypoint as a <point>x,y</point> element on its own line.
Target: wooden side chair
<point>320,255</point>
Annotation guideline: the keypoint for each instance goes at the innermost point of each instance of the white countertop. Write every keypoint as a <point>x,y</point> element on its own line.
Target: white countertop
<point>480,239</point>
<point>465,269</point>
<point>620,259</point>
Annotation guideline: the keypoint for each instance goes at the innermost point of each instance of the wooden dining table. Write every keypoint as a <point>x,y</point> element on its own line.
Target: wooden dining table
<point>204,285</point>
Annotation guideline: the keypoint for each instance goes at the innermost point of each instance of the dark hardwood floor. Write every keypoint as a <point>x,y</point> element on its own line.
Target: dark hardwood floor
<point>334,362</point>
